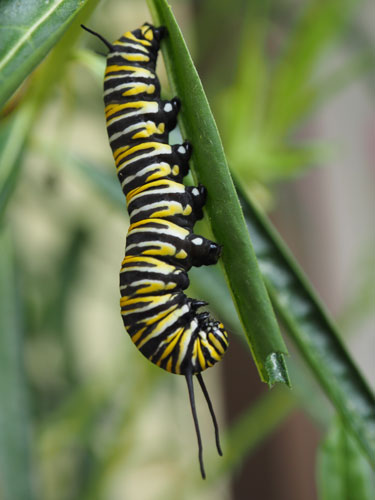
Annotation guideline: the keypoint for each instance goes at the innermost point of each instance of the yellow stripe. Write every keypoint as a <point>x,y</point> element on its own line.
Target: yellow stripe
<point>147,32</point>
<point>156,146</point>
<point>159,328</point>
<point>134,46</point>
<point>163,250</point>
<point>131,36</point>
<point>169,365</point>
<point>181,254</point>
<point>149,130</point>
<point>157,264</point>
<point>158,317</point>
<point>154,286</point>
<point>111,109</point>
<point>172,209</point>
<point>202,361</point>
<point>148,88</point>
<point>137,336</point>
<point>162,171</point>
<point>165,149</point>
<point>161,182</point>
<point>115,68</point>
<point>211,350</point>
<point>134,57</point>
<point>216,343</point>
<point>138,147</point>
<point>170,225</point>
<point>154,300</point>
<point>171,341</point>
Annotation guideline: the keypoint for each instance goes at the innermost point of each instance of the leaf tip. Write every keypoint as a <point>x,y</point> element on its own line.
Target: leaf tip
<point>276,369</point>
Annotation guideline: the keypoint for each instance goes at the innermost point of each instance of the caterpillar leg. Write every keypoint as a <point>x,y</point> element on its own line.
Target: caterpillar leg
<point>168,113</point>
<point>183,150</point>
<point>198,195</point>
<point>180,156</point>
<point>204,252</point>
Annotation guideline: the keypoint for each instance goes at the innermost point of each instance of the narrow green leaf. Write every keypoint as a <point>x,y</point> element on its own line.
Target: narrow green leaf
<point>103,182</point>
<point>343,472</point>
<point>317,28</point>
<point>223,208</point>
<point>28,31</point>
<point>12,142</point>
<point>94,62</point>
<point>269,162</point>
<point>312,330</point>
<point>15,131</point>
<point>248,95</point>
<point>316,94</point>
<point>15,453</point>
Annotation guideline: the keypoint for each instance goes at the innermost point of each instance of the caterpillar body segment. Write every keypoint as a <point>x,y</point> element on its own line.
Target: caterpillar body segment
<point>162,321</point>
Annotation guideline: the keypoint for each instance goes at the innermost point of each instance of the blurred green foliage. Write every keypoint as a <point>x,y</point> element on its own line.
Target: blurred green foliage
<point>342,470</point>
<point>98,412</point>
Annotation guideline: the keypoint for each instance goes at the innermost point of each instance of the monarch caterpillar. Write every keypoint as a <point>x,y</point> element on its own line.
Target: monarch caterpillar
<point>161,247</point>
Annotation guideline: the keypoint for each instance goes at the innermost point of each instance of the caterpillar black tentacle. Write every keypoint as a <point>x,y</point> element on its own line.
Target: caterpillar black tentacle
<point>161,246</point>
<point>211,409</point>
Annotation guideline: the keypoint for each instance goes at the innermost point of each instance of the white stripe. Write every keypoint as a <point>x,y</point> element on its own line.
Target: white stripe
<point>142,282</point>
<point>158,191</point>
<point>113,77</point>
<point>142,269</point>
<point>127,130</point>
<point>152,107</point>
<point>123,86</point>
<point>163,299</point>
<point>150,206</point>
<point>159,151</point>
<point>163,324</point>
<point>149,168</point>
<point>159,231</point>
<point>133,45</point>
<point>160,244</point>
<point>121,54</point>
<point>137,71</point>
<point>184,345</point>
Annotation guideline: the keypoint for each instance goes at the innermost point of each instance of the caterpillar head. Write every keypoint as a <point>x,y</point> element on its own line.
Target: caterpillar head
<point>147,35</point>
<point>150,33</point>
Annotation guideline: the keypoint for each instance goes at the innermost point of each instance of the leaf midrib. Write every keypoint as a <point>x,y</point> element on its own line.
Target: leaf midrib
<point>28,34</point>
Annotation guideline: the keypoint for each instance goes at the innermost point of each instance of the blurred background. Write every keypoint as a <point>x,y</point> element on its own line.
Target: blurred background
<point>291,89</point>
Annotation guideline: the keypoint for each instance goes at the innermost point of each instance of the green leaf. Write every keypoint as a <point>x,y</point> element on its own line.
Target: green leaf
<point>343,471</point>
<point>318,27</point>
<point>223,209</point>
<point>15,131</point>
<point>28,31</point>
<point>273,92</point>
<point>15,453</point>
<point>103,182</point>
<point>312,330</point>
<point>12,142</point>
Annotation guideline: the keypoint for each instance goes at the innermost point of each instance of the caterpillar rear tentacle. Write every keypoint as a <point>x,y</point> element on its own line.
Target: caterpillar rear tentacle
<point>161,247</point>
